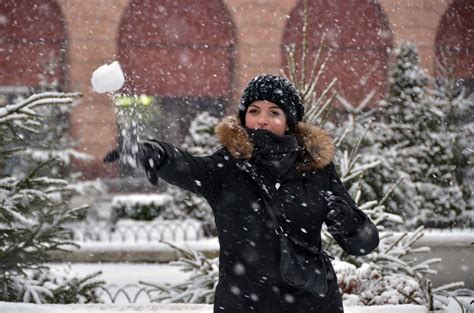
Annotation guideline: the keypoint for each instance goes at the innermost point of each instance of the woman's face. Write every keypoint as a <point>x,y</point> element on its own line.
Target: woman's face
<point>266,115</point>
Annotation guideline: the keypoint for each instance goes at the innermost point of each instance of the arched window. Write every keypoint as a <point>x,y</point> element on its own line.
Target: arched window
<point>32,47</point>
<point>358,34</point>
<point>182,54</point>
<point>454,45</point>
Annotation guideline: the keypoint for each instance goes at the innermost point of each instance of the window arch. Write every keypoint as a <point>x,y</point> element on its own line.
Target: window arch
<point>454,45</point>
<point>33,46</point>
<point>360,39</point>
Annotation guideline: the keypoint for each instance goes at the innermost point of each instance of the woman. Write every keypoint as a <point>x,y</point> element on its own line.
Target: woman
<point>270,160</point>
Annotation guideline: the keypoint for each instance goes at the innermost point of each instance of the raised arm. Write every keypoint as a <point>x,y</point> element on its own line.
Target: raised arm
<point>160,159</point>
<point>352,228</point>
<point>199,175</point>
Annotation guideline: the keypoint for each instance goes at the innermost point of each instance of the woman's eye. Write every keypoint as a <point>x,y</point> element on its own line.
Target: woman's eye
<point>274,113</point>
<point>252,111</point>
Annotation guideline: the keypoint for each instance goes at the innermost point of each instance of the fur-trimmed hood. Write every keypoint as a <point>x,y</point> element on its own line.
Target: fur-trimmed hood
<point>318,147</point>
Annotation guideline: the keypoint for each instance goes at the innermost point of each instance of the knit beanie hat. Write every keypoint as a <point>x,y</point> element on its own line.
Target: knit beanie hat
<point>275,89</point>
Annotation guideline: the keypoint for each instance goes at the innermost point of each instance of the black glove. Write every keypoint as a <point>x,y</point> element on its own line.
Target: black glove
<point>340,216</point>
<point>149,157</point>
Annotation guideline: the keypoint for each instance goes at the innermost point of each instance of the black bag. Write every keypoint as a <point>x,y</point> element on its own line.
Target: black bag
<point>302,267</point>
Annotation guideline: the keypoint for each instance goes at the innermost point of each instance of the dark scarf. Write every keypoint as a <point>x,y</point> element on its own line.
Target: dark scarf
<point>274,155</point>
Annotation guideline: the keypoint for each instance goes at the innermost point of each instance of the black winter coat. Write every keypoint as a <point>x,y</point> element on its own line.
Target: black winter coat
<point>249,279</point>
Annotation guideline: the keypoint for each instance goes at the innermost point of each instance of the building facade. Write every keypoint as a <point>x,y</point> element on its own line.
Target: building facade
<point>195,55</point>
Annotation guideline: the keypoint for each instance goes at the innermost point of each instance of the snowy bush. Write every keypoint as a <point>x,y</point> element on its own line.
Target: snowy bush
<point>142,207</point>
<point>59,286</point>
<point>366,285</point>
<point>33,208</point>
<point>389,275</point>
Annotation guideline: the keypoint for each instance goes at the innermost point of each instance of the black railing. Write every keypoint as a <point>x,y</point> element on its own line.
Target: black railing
<point>129,293</point>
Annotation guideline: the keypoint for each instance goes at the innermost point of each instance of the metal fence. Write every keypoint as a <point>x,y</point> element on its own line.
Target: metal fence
<point>138,231</point>
<point>129,293</point>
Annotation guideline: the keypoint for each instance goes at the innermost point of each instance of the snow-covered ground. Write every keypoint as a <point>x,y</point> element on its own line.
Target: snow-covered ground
<point>126,276</point>
<point>128,273</point>
<point>187,308</point>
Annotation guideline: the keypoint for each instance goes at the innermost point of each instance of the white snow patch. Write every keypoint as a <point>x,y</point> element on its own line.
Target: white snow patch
<point>142,199</point>
<point>122,274</point>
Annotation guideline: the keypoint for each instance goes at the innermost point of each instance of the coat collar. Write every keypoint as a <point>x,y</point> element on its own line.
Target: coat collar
<point>318,149</point>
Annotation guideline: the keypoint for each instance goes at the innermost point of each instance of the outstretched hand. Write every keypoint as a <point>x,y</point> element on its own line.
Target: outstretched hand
<point>149,157</point>
<point>340,213</point>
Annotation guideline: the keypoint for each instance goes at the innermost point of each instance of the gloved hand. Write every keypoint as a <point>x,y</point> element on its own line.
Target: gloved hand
<point>149,157</point>
<point>340,216</point>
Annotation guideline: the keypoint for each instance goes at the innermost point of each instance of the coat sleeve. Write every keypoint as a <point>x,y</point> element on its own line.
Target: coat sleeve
<point>196,174</point>
<point>362,236</point>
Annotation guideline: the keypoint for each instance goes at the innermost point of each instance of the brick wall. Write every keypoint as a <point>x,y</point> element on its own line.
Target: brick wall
<point>92,28</point>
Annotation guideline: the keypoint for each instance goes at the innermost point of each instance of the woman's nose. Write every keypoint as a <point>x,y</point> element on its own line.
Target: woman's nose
<point>262,120</point>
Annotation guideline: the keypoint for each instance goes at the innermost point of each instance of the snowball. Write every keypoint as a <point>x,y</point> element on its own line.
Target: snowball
<point>108,78</point>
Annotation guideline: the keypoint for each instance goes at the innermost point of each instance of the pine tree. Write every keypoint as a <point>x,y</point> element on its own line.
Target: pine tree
<point>51,138</point>
<point>458,108</point>
<point>418,147</point>
<point>33,213</point>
